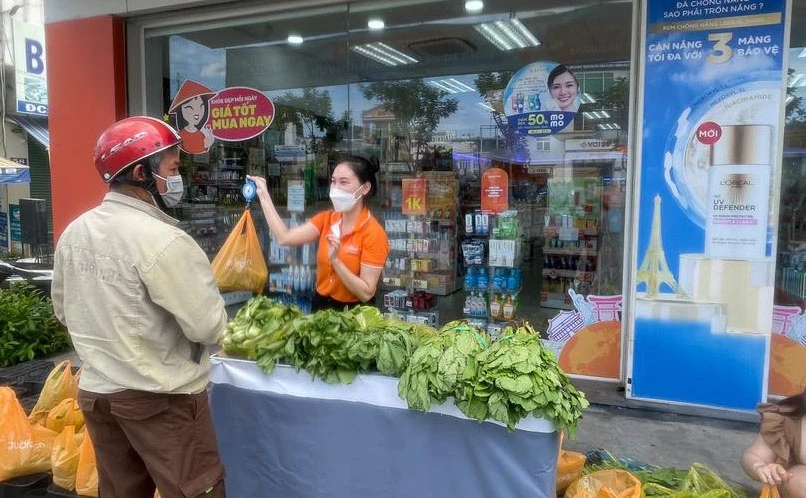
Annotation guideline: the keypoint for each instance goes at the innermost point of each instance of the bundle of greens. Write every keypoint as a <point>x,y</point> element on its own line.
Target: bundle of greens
<point>699,482</point>
<point>258,324</point>
<point>516,376</point>
<point>442,365</point>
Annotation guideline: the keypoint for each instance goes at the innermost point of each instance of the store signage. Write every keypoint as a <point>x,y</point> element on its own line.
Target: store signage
<point>4,231</point>
<point>240,113</point>
<point>30,69</point>
<point>494,191</point>
<point>414,191</point>
<point>541,99</point>
<point>588,144</point>
<point>233,114</point>
<point>296,196</point>
<point>14,222</point>
<point>289,152</point>
<point>712,91</point>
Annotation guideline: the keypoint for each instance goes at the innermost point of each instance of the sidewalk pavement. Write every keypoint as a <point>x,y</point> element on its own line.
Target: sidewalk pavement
<point>658,438</point>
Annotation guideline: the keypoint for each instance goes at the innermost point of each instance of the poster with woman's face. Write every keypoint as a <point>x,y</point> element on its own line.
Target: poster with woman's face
<point>541,99</point>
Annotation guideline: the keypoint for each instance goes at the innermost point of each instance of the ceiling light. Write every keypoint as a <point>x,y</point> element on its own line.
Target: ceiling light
<point>802,53</point>
<point>797,80</point>
<point>608,126</point>
<point>507,35</point>
<point>451,85</point>
<point>295,39</point>
<point>485,106</point>
<point>789,99</point>
<point>383,53</point>
<point>587,98</point>
<point>376,24</point>
<point>474,6</point>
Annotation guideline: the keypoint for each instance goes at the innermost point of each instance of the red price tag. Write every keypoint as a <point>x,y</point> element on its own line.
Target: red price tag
<point>414,197</point>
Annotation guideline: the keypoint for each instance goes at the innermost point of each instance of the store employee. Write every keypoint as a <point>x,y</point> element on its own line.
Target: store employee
<point>353,246</point>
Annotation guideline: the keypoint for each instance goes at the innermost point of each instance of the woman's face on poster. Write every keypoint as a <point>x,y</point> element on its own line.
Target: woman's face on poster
<point>192,111</point>
<point>564,91</point>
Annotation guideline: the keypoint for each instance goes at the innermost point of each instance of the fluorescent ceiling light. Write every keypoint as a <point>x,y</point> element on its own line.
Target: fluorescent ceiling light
<point>797,80</point>
<point>451,85</point>
<point>609,126</point>
<point>587,98</point>
<point>295,39</point>
<point>486,107</point>
<point>376,24</point>
<point>802,53</point>
<point>507,35</point>
<point>474,6</point>
<point>383,53</point>
<point>596,114</point>
<point>789,99</point>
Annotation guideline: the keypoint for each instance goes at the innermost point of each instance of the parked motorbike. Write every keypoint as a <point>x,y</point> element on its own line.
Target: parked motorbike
<point>36,274</point>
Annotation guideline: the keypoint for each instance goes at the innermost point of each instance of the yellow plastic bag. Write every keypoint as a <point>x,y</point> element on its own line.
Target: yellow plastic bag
<point>24,449</point>
<point>60,385</point>
<point>240,265</point>
<point>64,458</point>
<point>770,492</point>
<point>610,483</point>
<point>65,413</point>
<point>87,473</point>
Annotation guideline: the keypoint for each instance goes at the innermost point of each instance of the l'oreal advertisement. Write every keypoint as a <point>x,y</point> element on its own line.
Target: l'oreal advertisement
<point>712,86</point>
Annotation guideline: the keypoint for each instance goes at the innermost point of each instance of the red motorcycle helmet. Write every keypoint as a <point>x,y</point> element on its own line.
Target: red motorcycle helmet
<point>129,141</point>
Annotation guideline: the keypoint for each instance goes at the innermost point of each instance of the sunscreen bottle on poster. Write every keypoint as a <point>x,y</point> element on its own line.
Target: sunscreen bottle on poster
<point>739,193</point>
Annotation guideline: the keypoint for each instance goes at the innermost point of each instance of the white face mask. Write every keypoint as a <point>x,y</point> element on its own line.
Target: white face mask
<point>176,189</point>
<point>343,201</point>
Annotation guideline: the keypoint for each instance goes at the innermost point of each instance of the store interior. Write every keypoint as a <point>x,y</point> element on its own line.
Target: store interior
<point>418,88</point>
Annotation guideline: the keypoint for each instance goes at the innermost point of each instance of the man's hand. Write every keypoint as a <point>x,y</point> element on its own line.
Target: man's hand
<point>771,473</point>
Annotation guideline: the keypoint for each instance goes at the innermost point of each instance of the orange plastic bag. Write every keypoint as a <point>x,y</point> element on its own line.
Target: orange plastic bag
<point>240,265</point>
<point>59,386</point>
<point>570,466</point>
<point>24,448</point>
<point>770,492</point>
<point>87,472</point>
<point>605,484</point>
<point>65,413</point>
<point>64,458</point>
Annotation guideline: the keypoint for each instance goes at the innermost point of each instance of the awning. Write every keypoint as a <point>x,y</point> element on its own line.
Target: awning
<point>35,127</point>
<point>11,172</point>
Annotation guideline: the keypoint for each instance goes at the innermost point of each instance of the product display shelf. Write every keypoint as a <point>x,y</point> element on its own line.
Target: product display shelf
<point>572,237</point>
<point>292,270</point>
<point>493,278</point>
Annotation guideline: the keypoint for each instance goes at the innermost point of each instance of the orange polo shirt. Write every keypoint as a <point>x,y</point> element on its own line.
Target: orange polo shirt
<point>367,244</point>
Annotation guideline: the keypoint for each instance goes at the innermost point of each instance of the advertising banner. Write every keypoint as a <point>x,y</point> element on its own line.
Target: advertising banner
<point>414,192</point>
<point>712,85</point>
<point>15,222</point>
<point>30,69</point>
<point>541,99</point>
<point>3,231</point>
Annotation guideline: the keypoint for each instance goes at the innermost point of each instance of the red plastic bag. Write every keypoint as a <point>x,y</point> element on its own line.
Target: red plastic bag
<point>240,265</point>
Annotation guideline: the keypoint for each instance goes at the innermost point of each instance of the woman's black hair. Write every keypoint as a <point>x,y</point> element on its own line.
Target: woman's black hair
<point>181,122</point>
<point>558,71</point>
<point>364,169</point>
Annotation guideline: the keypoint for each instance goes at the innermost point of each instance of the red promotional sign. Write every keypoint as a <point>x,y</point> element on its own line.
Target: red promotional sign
<point>240,113</point>
<point>494,191</point>
<point>414,197</point>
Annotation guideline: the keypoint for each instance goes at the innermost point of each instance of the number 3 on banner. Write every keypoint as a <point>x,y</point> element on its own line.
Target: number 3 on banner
<point>722,51</point>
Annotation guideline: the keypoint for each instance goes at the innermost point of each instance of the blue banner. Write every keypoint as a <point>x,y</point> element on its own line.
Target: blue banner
<point>3,231</point>
<point>712,91</point>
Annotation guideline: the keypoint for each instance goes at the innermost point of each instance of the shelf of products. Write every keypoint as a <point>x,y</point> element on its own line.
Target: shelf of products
<point>292,270</point>
<point>571,234</point>
<point>493,280</point>
<point>422,260</point>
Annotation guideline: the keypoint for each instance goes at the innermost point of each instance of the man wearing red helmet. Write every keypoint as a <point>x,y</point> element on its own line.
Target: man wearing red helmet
<point>139,299</point>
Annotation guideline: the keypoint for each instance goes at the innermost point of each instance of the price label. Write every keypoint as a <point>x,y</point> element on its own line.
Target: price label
<point>414,197</point>
<point>419,284</point>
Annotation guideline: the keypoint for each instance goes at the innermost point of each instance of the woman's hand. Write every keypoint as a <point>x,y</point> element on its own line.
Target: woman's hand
<point>335,244</point>
<point>208,137</point>
<point>260,185</point>
<point>771,473</point>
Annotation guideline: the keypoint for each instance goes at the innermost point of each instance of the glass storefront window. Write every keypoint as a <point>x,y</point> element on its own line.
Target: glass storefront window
<point>788,345</point>
<point>435,94</point>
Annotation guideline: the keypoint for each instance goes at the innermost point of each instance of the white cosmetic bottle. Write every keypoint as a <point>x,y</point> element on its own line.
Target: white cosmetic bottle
<point>739,193</point>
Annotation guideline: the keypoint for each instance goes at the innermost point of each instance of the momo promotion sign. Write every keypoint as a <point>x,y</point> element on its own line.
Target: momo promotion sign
<point>712,88</point>
<point>30,69</point>
<point>541,99</point>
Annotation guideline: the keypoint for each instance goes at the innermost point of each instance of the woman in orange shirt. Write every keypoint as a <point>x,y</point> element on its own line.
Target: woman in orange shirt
<point>353,246</point>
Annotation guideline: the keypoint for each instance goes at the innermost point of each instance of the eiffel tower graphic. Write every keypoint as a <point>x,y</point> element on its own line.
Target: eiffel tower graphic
<point>654,270</point>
